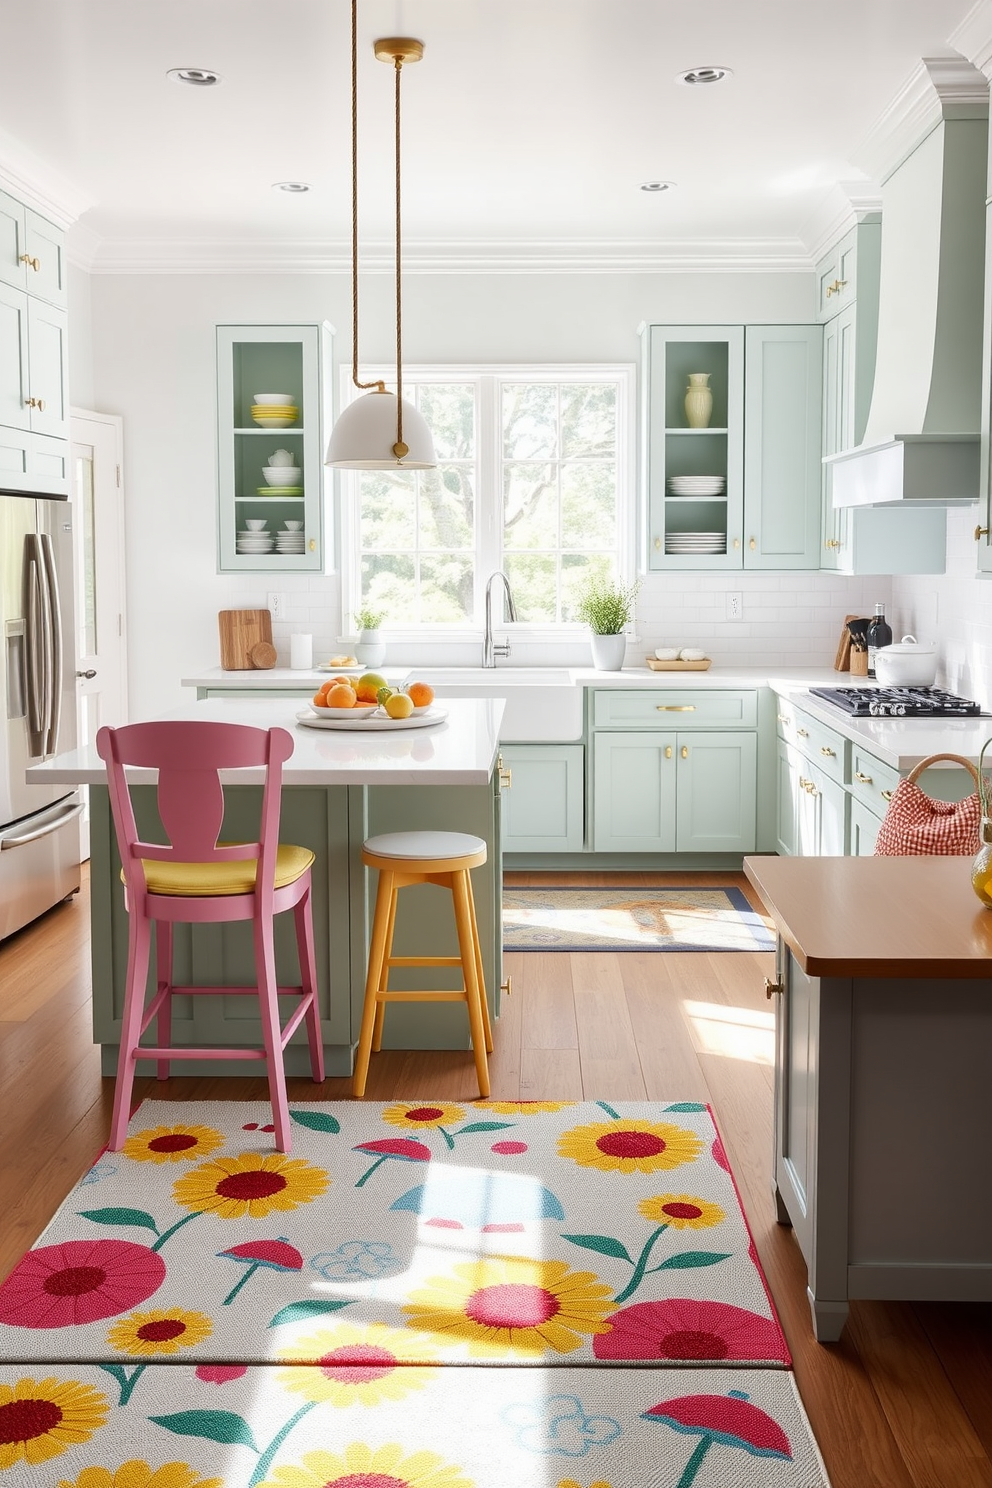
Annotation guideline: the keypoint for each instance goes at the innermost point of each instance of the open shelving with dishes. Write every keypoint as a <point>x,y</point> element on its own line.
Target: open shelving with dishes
<point>273,388</point>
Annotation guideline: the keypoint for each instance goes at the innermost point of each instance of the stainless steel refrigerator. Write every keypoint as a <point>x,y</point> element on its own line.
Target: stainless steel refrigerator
<point>39,824</point>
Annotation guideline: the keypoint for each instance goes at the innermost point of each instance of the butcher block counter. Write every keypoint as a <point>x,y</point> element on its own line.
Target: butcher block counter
<point>883,1100</point>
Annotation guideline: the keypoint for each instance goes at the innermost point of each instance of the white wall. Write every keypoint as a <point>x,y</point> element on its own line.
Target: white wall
<point>152,347</point>
<point>955,609</point>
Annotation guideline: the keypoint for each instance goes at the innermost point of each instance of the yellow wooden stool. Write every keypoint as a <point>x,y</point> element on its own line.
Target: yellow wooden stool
<point>445,859</point>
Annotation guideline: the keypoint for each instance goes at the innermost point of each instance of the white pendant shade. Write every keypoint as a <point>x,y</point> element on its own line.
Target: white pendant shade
<point>364,435</point>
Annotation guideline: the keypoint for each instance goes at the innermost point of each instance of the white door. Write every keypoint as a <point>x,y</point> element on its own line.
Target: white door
<point>98,533</point>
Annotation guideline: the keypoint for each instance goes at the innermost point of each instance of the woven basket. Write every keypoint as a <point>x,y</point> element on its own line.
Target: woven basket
<point>916,825</point>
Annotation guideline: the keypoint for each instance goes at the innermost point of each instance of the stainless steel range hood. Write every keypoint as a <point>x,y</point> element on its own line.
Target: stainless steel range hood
<point>921,442</point>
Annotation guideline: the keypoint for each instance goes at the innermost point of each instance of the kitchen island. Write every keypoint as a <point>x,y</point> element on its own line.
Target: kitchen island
<point>339,787</point>
<point>883,1104</point>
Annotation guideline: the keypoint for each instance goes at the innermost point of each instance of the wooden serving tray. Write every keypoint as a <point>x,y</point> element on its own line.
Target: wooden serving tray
<point>678,666</point>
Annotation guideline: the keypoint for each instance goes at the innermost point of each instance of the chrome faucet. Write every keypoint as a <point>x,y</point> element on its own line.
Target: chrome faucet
<point>489,650</point>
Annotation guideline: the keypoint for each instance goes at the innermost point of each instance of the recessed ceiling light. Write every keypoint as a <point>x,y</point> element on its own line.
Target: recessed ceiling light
<point>195,77</point>
<point>698,76</point>
<point>657,185</point>
<point>295,188</point>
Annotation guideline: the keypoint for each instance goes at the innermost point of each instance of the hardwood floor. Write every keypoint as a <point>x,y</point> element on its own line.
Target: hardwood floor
<point>903,1401</point>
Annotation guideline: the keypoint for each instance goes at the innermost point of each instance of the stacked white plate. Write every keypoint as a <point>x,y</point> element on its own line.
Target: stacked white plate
<point>254,542</point>
<point>697,485</point>
<point>290,542</point>
<point>696,542</point>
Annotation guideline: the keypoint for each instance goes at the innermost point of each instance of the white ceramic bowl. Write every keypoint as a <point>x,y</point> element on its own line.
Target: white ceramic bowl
<point>360,710</point>
<point>255,524</point>
<point>281,475</point>
<point>274,400</point>
<point>292,526</point>
<point>906,664</point>
<point>281,457</point>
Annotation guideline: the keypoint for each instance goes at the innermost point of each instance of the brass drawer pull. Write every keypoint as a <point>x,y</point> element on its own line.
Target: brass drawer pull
<point>802,733</point>
<point>38,403</point>
<point>832,542</point>
<point>981,532</point>
<point>675,707</point>
<point>864,779</point>
<point>26,258</point>
<point>825,750</point>
<point>505,775</point>
<point>782,718</point>
<point>836,287</point>
<point>886,795</point>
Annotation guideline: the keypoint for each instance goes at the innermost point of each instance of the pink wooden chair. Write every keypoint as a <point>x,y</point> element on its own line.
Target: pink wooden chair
<point>195,880</point>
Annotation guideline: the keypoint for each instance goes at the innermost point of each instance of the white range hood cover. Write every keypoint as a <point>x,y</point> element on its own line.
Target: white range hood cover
<point>921,439</point>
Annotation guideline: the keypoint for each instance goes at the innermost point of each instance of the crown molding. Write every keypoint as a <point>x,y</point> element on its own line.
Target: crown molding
<point>938,88</point>
<point>847,204</point>
<point>634,256</point>
<point>36,185</point>
<point>973,38</point>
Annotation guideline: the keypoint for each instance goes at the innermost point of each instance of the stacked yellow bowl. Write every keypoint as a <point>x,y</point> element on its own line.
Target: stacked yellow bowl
<point>274,410</point>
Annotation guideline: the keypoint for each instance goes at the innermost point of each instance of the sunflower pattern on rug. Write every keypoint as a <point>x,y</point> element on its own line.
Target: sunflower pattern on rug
<point>508,1233</point>
<point>359,1420</point>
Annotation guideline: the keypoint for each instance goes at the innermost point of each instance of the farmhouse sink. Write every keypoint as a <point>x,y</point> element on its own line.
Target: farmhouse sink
<point>543,704</point>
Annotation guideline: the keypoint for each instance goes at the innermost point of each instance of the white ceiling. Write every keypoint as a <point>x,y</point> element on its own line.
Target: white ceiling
<point>526,129</point>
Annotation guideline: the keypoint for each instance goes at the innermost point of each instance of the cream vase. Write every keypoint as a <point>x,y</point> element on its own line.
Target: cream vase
<point>698,401</point>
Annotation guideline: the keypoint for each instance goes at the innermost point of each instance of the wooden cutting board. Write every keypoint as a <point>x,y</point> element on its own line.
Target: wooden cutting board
<point>246,640</point>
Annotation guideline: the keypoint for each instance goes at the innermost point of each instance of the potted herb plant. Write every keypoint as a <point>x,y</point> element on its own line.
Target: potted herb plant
<point>607,607</point>
<point>371,648</point>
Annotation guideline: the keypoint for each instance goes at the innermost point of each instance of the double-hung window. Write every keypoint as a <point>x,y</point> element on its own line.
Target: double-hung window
<point>535,476</point>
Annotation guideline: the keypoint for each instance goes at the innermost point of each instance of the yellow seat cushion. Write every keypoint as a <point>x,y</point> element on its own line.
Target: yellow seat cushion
<point>211,880</point>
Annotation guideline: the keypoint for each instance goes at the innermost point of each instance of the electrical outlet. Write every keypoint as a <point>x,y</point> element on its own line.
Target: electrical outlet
<point>735,605</point>
<point>277,604</point>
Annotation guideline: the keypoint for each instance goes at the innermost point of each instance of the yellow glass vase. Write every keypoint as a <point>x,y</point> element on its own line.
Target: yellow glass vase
<point>698,401</point>
<point>981,869</point>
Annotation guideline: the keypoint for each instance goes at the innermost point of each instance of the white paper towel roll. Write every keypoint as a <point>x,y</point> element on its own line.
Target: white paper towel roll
<point>301,652</point>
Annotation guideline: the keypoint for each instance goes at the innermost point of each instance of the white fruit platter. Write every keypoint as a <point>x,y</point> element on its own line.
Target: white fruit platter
<point>422,718</point>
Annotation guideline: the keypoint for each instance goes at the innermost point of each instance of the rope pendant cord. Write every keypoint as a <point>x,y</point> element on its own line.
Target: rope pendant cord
<point>379,386</point>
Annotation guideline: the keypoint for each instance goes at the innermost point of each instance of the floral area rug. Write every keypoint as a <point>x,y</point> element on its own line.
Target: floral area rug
<point>631,919</point>
<point>496,1233</point>
<point>359,1421</point>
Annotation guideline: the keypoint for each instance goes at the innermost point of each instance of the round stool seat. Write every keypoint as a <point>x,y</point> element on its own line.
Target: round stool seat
<point>418,847</point>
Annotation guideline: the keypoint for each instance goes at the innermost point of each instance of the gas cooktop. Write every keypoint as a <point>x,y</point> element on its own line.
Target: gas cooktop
<point>898,702</point>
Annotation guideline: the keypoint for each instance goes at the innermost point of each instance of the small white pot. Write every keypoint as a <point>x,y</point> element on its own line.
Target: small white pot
<point>608,652</point>
<point>370,648</point>
<point>906,664</point>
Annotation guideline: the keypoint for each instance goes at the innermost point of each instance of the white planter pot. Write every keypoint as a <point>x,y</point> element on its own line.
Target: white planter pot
<point>371,649</point>
<point>608,652</point>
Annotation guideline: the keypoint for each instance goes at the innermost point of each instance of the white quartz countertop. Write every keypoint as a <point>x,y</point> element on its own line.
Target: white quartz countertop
<point>899,742</point>
<point>461,750</point>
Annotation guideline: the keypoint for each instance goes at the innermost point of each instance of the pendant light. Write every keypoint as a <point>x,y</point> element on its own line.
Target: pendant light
<point>380,431</point>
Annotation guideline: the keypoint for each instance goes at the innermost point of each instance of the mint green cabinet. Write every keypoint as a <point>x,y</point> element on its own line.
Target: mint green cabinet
<point>782,397</point>
<point>787,776</point>
<point>543,807</point>
<point>32,252</point>
<point>34,380</point>
<point>674,792</point>
<point>286,359</point>
<point>862,830</point>
<point>760,448</point>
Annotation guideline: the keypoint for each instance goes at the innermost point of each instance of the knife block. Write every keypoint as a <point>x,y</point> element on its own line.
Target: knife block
<point>859,663</point>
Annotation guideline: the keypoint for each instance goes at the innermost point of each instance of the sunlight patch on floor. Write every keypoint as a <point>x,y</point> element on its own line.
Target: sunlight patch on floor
<point>733,1032</point>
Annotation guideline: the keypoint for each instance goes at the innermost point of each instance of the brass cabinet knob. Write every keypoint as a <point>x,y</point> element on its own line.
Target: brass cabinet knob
<point>33,263</point>
<point>836,287</point>
<point>685,751</point>
<point>832,542</point>
<point>771,987</point>
<point>752,544</point>
<point>507,986</point>
<point>802,733</point>
<point>783,718</point>
<point>825,750</point>
<point>313,545</point>
<point>38,403</point>
<point>668,751</point>
<point>737,542</point>
<point>657,543</point>
<point>981,532</point>
<point>886,795</point>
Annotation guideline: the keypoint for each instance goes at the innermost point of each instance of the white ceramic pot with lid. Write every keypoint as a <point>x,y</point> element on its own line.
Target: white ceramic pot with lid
<point>906,663</point>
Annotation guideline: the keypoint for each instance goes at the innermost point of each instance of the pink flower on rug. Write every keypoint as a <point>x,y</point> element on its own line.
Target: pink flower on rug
<point>220,1374</point>
<point>79,1281</point>
<point>684,1328</point>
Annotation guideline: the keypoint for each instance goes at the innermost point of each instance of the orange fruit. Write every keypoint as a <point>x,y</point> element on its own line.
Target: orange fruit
<point>320,699</point>
<point>421,694</point>
<point>368,686</point>
<point>325,687</point>
<point>341,696</point>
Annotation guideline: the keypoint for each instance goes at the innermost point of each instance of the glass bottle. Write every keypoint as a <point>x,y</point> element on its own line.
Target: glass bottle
<point>879,634</point>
